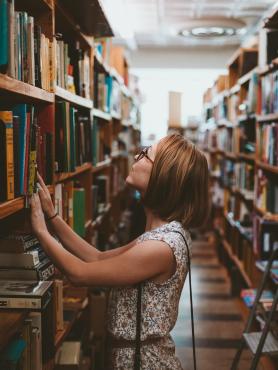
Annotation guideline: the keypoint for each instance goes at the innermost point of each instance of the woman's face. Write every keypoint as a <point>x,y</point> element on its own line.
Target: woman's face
<point>140,172</point>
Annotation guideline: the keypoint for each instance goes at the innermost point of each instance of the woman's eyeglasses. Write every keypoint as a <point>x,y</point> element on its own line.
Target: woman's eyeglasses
<point>143,153</point>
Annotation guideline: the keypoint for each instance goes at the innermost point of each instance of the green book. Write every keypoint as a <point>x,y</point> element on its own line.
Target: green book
<point>4,36</point>
<point>72,140</point>
<point>79,211</point>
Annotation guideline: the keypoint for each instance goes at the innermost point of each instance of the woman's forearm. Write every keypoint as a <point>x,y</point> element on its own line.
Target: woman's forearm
<point>73,242</point>
<point>66,262</point>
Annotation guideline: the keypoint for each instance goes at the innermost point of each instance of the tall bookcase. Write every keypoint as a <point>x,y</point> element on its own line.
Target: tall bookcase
<point>105,110</point>
<point>240,137</point>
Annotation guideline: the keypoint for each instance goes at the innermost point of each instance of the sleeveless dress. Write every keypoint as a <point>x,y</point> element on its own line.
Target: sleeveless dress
<point>160,303</point>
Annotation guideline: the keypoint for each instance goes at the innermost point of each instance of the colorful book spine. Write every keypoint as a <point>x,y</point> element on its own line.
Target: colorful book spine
<point>4,36</point>
<point>7,155</point>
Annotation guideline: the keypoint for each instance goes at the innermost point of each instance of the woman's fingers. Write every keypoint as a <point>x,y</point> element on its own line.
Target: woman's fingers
<point>41,182</point>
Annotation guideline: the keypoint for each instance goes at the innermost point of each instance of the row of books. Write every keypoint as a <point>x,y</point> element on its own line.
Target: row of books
<point>26,142</point>
<point>100,147</point>
<point>102,91</point>
<point>265,237</point>
<point>26,53</point>
<point>266,192</point>
<point>244,179</point>
<point>269,84</point>
<point>73,137</point>
<point>70,203</point>
<point>268,143</point>
<point>72,68</point>
<point>248,296</point>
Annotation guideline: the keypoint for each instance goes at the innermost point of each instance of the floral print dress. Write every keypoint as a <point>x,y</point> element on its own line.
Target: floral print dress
<point>160,303</point>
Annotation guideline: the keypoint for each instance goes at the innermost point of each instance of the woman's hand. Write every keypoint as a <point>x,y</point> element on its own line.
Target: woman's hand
<point>45,198</point>
<point>37,217</point>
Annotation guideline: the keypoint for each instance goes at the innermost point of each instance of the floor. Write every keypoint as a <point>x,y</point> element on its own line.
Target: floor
<point>218,323</point>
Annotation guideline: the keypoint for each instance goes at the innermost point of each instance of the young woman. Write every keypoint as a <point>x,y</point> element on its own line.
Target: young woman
<point>172,177</point>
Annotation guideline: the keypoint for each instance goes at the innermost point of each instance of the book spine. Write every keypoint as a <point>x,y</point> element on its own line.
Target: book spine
<point>4,36</point>
<point>11,15</point>
<point>7,119</point>
<point>30,48</point>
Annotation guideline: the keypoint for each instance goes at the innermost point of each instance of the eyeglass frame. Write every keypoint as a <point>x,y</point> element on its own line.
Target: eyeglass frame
<point>142,154</point>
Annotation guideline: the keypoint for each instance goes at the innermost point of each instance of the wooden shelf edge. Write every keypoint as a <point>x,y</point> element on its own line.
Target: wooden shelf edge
<point>101,165</point>
<point>49,4</point>
<point>61,334</point>
<point>245,78</point>
<point>60,177</point>
<point>17,87</point>
<point>100,114</point>
<point>268,117</point>
<point>237,262</point>
<point>248,157</point>
<point>267,167</point>
<point>266,215</point>
<point>12,206</point>
<point>73,98</point>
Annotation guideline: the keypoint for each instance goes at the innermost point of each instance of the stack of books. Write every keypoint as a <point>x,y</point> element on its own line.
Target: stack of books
<point>25,144</point>
<point>73,138</point>
<point>22,258</point>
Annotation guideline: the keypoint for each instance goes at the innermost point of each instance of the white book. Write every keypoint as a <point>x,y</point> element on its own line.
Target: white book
<point>25,260</point>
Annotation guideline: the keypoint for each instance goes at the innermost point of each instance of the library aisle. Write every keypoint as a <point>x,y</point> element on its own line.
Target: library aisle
<point>218,322</point>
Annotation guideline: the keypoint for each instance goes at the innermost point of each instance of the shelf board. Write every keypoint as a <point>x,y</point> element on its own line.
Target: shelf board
<point>23,89</point>
<point>247,157</point>
<point>247,117</point>
<point>270,346</point>
<point>269,68</point>
<point>49,4</point>
<point>267,167</point>
<point>235,89</point>
<point>266,215</point>
<point>268,117</point>
<point>12,206</point>
<point>11,321</point>
<point>73,98</point>
<point>101,165</point>
<point>62,334</point>
<point>60,177</point>
<point>103,115</point>
<point>116,116</point>
<point>247,77</point>
<point>237,262</point>
<point>230,155</point>
<point>98,57</point>
<point>116,75</point>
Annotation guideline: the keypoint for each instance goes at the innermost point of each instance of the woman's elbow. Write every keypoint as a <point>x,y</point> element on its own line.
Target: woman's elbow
<point>77,276</point>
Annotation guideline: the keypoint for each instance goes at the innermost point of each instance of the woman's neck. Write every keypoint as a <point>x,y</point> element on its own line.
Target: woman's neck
<point>153,221</point>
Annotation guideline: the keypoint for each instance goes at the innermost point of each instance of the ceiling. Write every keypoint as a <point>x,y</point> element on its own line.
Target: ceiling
<point>151,23</point>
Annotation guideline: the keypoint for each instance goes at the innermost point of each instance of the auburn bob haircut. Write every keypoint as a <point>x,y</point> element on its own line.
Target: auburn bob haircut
<point>178,186</point>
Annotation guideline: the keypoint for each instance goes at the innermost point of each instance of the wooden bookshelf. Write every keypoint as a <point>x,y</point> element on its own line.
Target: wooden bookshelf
<point>102,115</point>
<point>11,322</point>
<point>267,167</point>
<point>101,165</point>
<point>24,90</point>
<point>60,177</point>
<point>247,77</point>
<point>73,98</point>
<point>247,157</point>
<point>98,221</point>
<point>12,206</point>
<point>268,117</point>
<point>62,334</point>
